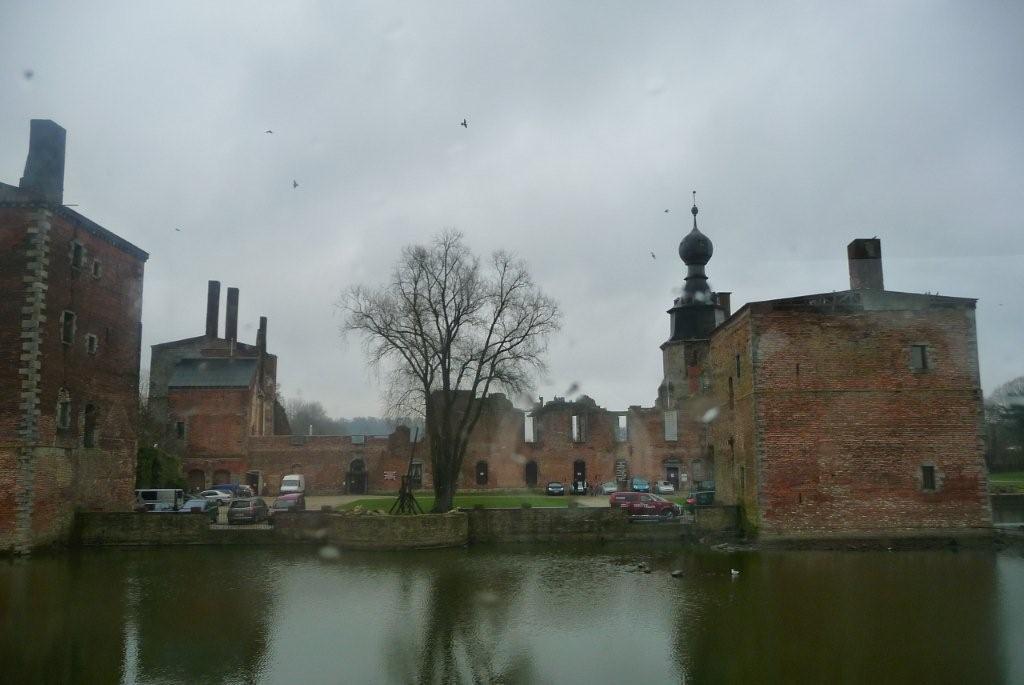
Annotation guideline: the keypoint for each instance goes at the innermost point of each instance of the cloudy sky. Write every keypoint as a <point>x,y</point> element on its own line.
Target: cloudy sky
<point>800,125</point>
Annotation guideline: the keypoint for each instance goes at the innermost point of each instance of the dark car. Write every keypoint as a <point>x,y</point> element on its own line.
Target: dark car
<point>701,498</point>
<point>295,501</point>
<point>202,506</point>
<point>555,488</point>
<point>248,510</point>
<point>645,504</point>
<point>639,485</point>
<point>578,487</point>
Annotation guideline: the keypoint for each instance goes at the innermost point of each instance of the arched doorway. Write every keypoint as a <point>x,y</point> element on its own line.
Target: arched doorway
<point>221,477</point>
<point>355,479</point>
<point>481,473</point>
<point>579,471</point>
<point>674,472</point>
<point>531,474</point>
<point>196,480</point>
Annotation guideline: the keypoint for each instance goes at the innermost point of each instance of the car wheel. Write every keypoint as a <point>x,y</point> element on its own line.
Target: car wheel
<point>667,514</point>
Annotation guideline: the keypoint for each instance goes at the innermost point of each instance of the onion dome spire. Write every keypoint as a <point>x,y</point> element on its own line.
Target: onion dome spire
<point>695,250</point>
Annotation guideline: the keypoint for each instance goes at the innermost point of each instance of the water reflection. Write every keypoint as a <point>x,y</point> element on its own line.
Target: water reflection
<point>566,615</point>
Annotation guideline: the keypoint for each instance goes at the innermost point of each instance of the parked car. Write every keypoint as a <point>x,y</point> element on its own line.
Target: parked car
<point>701,498</point>
<point>293,483</point>
<point>578,487</point>
<point>664,487</point>
<point>555,488</point>
<point>160,499</point>
<point>218,496</point>
<point>292,502</point>
<point>645,504</point>
<point>609,487</point>
<point>639,485</point>
<point>248,510</point>
<point>203,505</point>
<point>234,489</point>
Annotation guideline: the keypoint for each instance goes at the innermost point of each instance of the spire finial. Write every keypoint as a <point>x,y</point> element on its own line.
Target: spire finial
<point>693,210</point>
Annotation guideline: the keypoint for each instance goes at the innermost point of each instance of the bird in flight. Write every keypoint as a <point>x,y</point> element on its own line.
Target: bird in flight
<point>28,74</point>
<point>268,131</point>
<point>178,230</point>
<point>653,256</point>
<point>295,184</point>
<point>666,211</point>
<point>464,124</point>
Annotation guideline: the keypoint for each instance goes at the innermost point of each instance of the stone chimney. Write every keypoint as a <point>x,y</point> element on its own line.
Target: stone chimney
<point>865,257</point>
<point>231,317</point>
<point>44,167</point>
<point>261,336</point>
<point>212,308</point>
<point>724,301</point>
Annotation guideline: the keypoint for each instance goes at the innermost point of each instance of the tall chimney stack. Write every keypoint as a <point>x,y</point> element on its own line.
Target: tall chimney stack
<point>261,336</point>
<point>231,319</point>
<point>865,257</point>
<point>212,308</point>
<point>44,166</point>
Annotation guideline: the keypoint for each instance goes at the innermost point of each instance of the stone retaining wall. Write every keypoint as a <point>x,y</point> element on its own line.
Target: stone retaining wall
<point>369,531</point>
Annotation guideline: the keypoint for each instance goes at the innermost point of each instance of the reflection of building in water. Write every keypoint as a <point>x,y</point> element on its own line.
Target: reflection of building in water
<point>70,335</point>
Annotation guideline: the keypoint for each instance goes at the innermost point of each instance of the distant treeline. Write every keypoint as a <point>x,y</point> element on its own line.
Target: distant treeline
<point>303,414</point>
<point>1004,419</point>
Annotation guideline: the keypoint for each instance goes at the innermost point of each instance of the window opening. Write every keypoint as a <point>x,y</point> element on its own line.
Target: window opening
<point>737,366</point>
<point>97,268</point>
<point>732,399</point>
<point>928,477</point>
<point>179,430</point>
<point>481,473</point>
<point>67,327</point>
<point>579,428</point>
<point>529,431</point>
<point>89,434</point>
<point>671,425</point>
<point>77,254</point>
<point>622,428</point>
<point>919,357</point>
<point>91,343</point>
<point>64,414</point>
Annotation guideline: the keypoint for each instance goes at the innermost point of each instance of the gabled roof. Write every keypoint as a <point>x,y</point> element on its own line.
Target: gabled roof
<point>214,372</point>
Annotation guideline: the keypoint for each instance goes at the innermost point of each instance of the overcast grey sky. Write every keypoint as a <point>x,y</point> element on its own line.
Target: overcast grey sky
<point>801,126</point>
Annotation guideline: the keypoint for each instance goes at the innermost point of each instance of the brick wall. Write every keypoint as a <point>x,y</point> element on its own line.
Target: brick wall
<point>62,262</point>
<point>843,439</point>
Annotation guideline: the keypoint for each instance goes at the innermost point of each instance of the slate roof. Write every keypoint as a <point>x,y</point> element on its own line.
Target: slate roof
<point>213,372</point>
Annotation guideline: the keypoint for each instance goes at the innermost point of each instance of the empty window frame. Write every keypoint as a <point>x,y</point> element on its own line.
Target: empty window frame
<point>89,428</point>
<point>671,421</point>
<point>92,343</point>
<point>529,428</point>
<point>919,357</point>
<point>64,413</point>
<point>578,428</point>
<point>97,268</point>
<point>77,255</point>
<point>67,327</point>
<point>621,428</point>
<point>179,430</point>
<point>928,477</point>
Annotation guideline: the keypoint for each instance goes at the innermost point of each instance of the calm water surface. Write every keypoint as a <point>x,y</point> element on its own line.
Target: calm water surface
<point>525,615</point>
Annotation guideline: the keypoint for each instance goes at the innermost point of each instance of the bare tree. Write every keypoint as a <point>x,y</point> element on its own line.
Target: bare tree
<point>447,331</point>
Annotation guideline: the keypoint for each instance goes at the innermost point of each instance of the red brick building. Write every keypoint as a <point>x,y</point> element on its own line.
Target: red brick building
<point>851,413</point>
<point>214,395</point>
<point>70,336</point>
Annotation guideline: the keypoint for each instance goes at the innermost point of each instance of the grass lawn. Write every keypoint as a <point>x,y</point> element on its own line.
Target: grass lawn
<point>1007,479</point>
<point>468,501</point>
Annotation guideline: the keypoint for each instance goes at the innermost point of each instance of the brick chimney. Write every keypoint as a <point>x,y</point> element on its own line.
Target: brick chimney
<point>44,167</point>
<point>212,308</point>
<point>865,257</point>
<point>261,336</point>
<point>231,317</point>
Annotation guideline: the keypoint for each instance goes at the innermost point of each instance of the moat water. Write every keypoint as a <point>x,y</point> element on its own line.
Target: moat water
<point>520,615</point>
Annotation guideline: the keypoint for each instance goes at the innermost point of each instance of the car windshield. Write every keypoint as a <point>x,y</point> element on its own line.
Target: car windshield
<point>241,504</point>
<point>290,481</point>
<point>554,484</point>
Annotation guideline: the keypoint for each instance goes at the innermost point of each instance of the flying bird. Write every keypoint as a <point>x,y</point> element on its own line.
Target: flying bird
<point>295,184</point>
<point>653,256</point>
<point>28,74</point>
<point>178,230</point>
<point>464,124</point>
<point>666,211</point>
<point>268,131</point>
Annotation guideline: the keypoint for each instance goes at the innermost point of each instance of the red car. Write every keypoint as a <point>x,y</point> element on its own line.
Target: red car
<point>644,504</point>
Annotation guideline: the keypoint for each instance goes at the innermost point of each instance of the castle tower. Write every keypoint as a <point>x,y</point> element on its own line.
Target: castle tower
<point>694,314</point>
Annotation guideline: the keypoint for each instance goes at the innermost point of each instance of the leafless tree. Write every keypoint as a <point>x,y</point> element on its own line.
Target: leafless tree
<point>447,331</point>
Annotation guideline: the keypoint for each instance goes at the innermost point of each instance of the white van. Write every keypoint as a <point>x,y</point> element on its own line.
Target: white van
<point>293,483</point>
<point>160,499</point>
